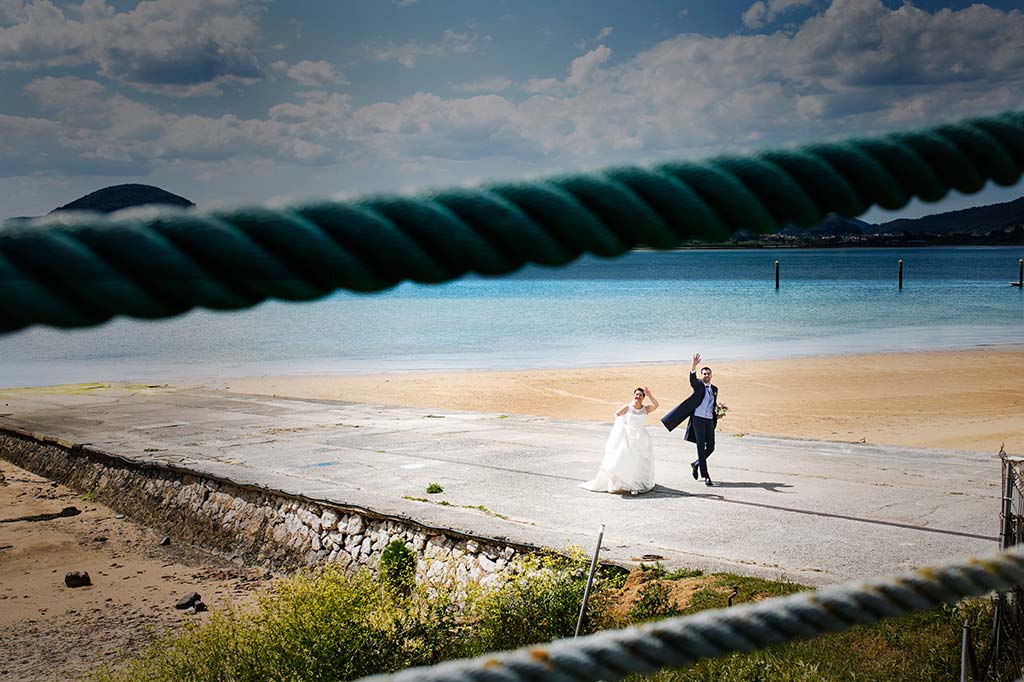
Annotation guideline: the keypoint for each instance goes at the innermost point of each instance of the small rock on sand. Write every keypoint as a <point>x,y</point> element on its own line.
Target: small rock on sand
<point>77,579</point>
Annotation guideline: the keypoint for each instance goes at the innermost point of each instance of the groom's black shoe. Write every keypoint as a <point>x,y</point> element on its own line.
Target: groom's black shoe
<point>693,470</point>
<point>708,483</point>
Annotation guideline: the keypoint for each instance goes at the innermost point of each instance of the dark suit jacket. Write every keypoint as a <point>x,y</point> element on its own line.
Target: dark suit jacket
<point>685,409</point>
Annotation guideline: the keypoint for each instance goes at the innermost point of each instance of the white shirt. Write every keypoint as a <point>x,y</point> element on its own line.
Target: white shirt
<point>707,408</point>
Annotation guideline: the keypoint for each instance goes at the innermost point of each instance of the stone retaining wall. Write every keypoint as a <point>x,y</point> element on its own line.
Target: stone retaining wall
<point>250,524</point>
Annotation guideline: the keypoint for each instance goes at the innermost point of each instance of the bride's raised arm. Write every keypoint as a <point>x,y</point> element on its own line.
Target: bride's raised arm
<point>654,401</point>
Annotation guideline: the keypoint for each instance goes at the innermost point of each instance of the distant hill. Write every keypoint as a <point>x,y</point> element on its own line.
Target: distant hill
<point>833,225</point>
<point>969,220</point>
<point>993,224</point>
<point>110,199</point>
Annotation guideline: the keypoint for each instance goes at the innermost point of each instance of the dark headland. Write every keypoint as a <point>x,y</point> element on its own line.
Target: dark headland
<point>117,197</point>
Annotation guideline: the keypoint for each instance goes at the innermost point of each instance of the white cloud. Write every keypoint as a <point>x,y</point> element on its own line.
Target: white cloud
<point>755,15</point>
<point>857,66</point>
<point>93,126</point>
<point>582,71</point>
<point>12,11</point>
<point>583,68</point>
<point>174,47</point>
<point>42,36</point>
<point>496,84</point>
<point>582,43</point>
<point>762,13</point>
<point>408,53</point>
<point>60,93</point>
<point>311,74</point>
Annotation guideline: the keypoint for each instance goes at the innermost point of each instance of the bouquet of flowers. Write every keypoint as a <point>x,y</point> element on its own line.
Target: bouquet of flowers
<point>720,410</point>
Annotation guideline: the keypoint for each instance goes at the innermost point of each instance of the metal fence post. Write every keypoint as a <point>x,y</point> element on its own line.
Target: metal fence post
<point>968,666</point>
<point>590,580</point>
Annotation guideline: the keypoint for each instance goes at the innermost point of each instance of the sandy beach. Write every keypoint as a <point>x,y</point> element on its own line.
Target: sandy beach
<point>965,400</point>
<point>53,632</point>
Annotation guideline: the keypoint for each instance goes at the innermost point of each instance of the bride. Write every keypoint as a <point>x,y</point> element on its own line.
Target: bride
<point>628,464</point>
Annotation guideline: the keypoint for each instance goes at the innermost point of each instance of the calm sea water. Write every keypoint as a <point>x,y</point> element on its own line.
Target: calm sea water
<point>644,307</point>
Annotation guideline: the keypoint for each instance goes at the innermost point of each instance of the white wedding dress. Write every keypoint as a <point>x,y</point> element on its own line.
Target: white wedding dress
<point>628,464</point>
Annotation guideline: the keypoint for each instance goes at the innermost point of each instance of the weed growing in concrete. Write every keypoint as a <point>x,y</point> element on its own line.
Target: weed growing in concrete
<point>434,488</point>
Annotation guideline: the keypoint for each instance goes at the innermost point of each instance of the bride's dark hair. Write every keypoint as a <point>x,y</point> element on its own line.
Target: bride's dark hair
<point>638,388</point>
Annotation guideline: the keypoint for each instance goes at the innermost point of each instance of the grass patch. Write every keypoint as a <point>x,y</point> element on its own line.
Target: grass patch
<point>485,510</point>
<point>658,570</point>
<point>922,646</point>
<point>681,573</point>
<point>434,488</point>
<point>329,625</point>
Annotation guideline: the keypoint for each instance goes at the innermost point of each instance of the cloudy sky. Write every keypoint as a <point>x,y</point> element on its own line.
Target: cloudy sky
<point>239,101</point>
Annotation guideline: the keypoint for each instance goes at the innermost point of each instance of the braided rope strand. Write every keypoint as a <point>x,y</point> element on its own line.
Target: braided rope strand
<point>81,269</point>
<point>677,642</point>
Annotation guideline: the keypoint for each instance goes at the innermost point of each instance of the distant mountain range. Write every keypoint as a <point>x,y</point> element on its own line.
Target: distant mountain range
<point>993,224</point>
<point>973,220</point>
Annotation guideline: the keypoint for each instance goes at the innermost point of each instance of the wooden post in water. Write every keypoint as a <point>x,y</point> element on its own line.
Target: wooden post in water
<point>1020,274</point>
<point>776,274</point>
<point>900,273</point>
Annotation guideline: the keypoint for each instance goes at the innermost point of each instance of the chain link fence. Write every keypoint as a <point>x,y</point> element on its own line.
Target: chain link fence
<point>1009,635</point>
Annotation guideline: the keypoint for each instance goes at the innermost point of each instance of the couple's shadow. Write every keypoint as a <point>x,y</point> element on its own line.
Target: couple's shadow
<point>664,491</point>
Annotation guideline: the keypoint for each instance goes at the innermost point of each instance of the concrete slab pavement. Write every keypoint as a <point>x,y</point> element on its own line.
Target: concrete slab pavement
<point>811,511</point>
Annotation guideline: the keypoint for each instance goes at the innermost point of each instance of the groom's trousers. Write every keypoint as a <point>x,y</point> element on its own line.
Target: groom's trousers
<point>704,432</point>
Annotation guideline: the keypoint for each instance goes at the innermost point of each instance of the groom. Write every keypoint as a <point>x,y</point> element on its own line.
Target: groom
<point>700,409</point>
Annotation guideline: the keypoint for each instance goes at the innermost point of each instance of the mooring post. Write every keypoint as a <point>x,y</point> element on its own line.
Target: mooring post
<point>1020,272</point>
<point>899,271</point>
<point>776,274</point>
<point>590,580</point>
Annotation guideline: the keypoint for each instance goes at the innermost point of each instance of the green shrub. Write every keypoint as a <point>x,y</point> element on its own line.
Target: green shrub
<point>398,567</point>
<point>434,488</point>
<point>654,601</point>
<point>538,602</point>
<point>327,625</point>
<point>655,570</point>
<point>315,626</point>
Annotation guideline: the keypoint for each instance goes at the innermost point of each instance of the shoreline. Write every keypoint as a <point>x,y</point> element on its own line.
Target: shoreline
<point>950,399</point>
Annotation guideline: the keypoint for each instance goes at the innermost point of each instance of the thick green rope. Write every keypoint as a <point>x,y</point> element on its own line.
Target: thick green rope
<point>80,269</point>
